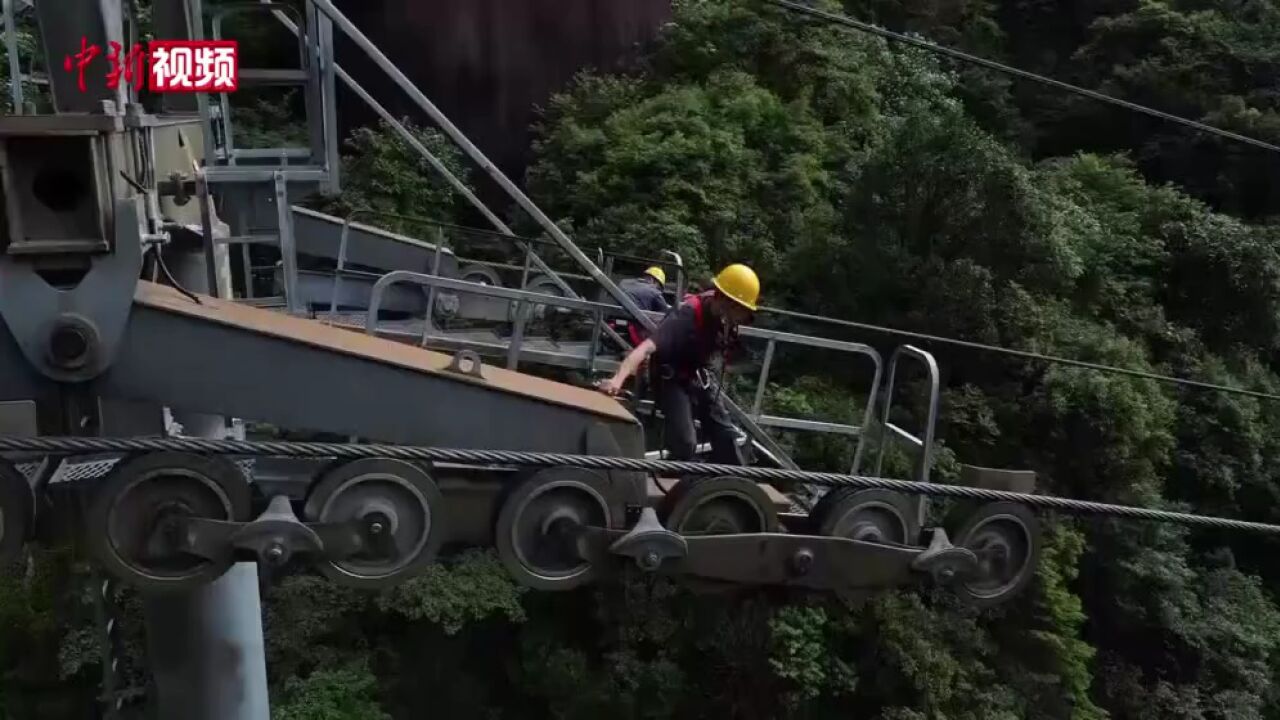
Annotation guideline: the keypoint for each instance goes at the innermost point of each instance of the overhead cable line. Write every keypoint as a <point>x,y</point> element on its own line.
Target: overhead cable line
<point>1009,70</point>
<point>1030,355</point>
<point>78,445</point>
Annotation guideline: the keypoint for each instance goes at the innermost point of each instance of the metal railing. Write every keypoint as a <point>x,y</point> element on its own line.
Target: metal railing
<point>921,448</point>
<point>524,300</point>
<point>523,244</point>
<point>772,338</point>
<point>314,74</point>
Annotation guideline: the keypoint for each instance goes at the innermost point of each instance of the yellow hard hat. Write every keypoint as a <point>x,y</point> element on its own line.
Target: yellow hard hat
<point>656,273</point>
<point>739,283</point>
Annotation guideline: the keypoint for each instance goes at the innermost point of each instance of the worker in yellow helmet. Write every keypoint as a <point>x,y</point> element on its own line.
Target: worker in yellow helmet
<point>646,291</point>
<point>682,348</point>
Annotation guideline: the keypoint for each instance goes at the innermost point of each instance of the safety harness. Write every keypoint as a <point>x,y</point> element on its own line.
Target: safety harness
<point>698,375</point>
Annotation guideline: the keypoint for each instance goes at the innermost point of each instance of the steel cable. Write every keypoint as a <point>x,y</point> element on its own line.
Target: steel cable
<point>1029,355</point>
<point>77,445</point>
<point>860,26</point>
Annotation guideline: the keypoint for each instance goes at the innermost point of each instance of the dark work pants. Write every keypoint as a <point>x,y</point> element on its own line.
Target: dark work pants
<point>680,403</point>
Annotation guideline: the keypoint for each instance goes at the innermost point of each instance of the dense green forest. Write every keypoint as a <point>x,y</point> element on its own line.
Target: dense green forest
<point>884,185</point>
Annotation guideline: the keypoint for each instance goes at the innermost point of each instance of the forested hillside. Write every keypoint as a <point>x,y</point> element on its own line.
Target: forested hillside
<point>884,185</point>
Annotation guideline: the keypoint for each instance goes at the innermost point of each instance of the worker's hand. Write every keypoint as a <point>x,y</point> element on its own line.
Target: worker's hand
<point>612,386</point>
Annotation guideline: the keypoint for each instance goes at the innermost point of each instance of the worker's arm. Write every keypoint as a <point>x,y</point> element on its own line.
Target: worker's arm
<point>630,364</point>
<point>658,302</point>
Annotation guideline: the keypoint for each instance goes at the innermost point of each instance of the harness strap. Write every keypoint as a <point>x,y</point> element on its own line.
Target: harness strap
<point>695,301</point>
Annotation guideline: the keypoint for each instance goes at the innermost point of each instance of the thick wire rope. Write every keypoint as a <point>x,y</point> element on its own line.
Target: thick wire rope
<point>860,26</point>
<point>76,445</point>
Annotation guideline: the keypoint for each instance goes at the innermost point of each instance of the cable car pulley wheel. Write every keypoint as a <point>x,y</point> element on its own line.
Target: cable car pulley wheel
<point>879,516</point>
<point>397,507</point>
<point>719,506</point>
<point>1006,538</point>
<point>534,534</point>
<point>135,517</point>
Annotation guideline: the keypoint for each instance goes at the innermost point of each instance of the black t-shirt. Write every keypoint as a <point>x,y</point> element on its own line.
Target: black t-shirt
<point>679,342</point>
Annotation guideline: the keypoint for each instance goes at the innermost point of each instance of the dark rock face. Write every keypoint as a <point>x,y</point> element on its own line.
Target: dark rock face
<point>488,63</point>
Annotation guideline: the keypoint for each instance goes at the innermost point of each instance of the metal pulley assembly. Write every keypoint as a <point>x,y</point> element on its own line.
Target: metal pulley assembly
<point>556,531</point>
<point>172,521</point>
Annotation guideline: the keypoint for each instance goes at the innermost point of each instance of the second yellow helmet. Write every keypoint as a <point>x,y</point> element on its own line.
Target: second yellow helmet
<point>657,273</point>
<point>740,284</point>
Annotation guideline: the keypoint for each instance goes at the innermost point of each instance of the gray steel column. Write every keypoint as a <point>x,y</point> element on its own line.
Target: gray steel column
<point>206,647</point>
<point>206,650</point>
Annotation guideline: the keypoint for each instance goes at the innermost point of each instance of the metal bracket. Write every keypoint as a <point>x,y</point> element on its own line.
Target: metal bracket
<point>456,365</point>
<point>649,543</point>
<point>944,561</point>
<point>275,537</point>
<point>809,561</point>
<point>72,335</point>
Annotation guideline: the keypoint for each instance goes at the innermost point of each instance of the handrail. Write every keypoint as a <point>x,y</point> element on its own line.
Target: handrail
<point>924,462</point>
<point>504,293</point>
<point>677,262</point>
<point>224,101</point>
<point>349,221</point>
<point>775,336</point>
<point>528,298</point>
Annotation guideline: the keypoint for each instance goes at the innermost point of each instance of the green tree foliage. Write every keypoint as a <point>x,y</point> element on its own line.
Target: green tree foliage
<point>348,693</point>
<point>1212,61</point>
<point>384,176</point>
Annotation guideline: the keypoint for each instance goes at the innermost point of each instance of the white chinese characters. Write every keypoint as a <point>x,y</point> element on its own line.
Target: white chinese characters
<point>195,66</point>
